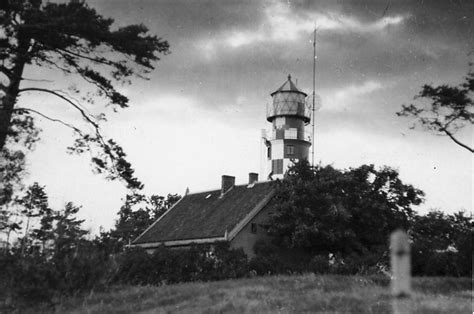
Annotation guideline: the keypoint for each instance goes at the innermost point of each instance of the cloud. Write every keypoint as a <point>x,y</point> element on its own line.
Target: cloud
<point>344,98</point>
<point>358,90</point>
<point>281,23</point>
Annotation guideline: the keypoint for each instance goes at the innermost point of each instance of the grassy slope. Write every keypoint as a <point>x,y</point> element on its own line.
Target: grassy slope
<point>284,294</point>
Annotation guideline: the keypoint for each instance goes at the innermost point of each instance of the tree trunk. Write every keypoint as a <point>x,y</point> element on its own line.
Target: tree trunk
<point>8,239</point>
<point>7,102</point>
<point>25,237</point>
<point>6,110</point>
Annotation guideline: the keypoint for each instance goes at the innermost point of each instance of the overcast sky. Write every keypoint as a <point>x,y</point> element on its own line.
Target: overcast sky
<point>200,114</point>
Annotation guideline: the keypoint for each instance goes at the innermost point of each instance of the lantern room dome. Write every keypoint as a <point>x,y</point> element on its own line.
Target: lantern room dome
<point>289,101</point>
<point>288,86</point>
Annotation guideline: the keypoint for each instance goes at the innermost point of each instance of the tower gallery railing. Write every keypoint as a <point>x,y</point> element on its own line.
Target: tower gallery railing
<point>289,109</point>
<point>289,134</point>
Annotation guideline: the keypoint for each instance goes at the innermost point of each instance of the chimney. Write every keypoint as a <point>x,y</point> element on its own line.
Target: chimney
<point>253,177</point>
<point>227,183</point>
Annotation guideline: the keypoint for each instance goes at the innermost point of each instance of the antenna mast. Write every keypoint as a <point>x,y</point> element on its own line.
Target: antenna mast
<point>314,94</point>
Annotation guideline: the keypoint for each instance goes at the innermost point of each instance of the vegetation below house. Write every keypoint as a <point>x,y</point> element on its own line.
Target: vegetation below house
<point>302,293</point>
<point>320,212</point>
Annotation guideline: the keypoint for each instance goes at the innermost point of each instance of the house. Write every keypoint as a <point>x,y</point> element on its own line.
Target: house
<point>233,213</point>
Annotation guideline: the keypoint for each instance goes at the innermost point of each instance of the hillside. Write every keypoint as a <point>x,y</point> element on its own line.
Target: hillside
<point>303,293</point>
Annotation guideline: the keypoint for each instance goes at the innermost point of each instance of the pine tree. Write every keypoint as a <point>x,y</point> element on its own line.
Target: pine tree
<point>73,40</point>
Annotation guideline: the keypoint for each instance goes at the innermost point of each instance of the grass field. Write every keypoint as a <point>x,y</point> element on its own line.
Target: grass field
<point>281,294</point>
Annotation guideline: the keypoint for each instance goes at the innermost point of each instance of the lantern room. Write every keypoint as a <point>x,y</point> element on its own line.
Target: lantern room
<point>288,100</point>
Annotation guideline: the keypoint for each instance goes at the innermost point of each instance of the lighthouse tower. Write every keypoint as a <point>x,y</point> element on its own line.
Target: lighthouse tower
<point>288,141</point>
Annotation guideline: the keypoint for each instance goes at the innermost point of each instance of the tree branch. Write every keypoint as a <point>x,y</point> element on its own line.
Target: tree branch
<point>102,88</point>
<point>457,141</point>
<point>49,118</point>
<point>98,60</point>
<point>103,85</point>
<point>83,113</point>
<point>56,66</point>
<point>37,80</point>
<point>109,151</point>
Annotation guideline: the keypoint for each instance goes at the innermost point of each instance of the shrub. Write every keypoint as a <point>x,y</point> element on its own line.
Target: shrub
<point>368,263</point>
<point>319,264</point>
<point>30,279</point>
<point>27,280</point>
<point>133,267</point>
<point>272,259</point>
<point>229,263</point>
<point>197,263</point>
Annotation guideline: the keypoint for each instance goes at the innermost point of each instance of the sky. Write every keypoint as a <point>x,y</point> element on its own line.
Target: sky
<point>200,114</point>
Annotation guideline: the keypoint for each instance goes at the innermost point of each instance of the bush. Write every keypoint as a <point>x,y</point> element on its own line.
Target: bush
<point>27,280</point>
<point>133,267</point>
<point>319,264</point>
<point>429,263</point>
<point>442,244</point>
<point>229,263</point>
<point>271,259</point>
<point>83,271</point>
<point>197,263</point>
<point>368,263</point>
<point>30,279</point>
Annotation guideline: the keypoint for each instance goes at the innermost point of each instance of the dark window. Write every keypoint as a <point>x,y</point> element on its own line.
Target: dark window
<point>277,166</point>
<point>280,134</point>
<point>290,150</point>
<point>269,152</point>
<point>253,227</point>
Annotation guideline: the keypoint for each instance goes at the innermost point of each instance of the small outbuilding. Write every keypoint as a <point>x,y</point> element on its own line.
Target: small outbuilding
<point>233,213</point>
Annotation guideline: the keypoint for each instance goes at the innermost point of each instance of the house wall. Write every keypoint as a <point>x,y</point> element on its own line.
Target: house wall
<point>153,250</point>
<point>245,239</point>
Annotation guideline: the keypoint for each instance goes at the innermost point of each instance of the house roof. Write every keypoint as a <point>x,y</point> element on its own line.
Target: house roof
<point>288,86</point>
<point>207,215</point>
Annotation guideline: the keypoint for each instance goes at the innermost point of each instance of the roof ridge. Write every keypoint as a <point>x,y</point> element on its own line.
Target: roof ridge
<point>204,191</point>
<point>216,190</point>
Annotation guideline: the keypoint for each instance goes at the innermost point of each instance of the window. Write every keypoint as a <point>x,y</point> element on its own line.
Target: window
<point>277,166</point>
<point>253,227</point>
<point>291,133</point>
<point>290,150</point>
<point>269,152</point>
<point>279,122</point>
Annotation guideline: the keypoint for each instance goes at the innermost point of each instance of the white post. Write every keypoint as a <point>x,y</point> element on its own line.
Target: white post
<point>400,261</point>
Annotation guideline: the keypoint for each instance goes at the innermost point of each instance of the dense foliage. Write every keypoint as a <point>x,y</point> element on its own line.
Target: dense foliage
<point>198,263</point>
<point>325,210</point>
<point>442,244</point>
<point>328,220</point>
